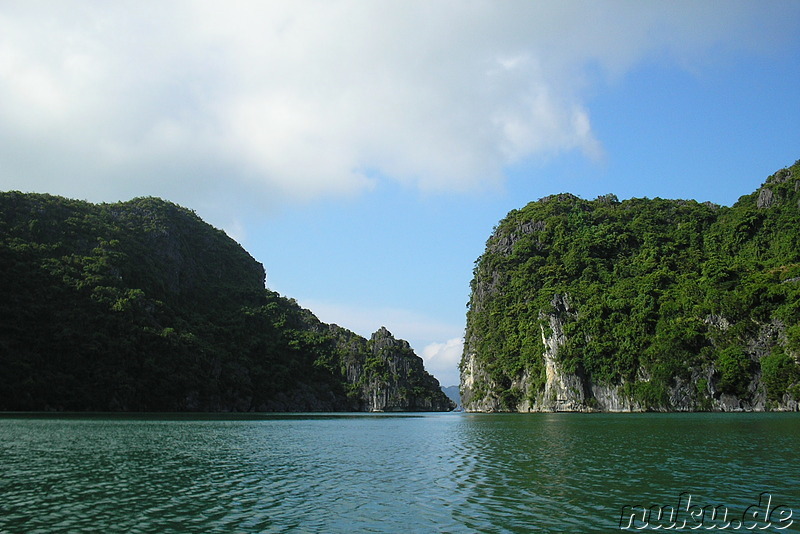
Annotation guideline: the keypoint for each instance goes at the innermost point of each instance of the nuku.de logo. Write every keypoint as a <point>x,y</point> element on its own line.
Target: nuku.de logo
<point>688,516</point>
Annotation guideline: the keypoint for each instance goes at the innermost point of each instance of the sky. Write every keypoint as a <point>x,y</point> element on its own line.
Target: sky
<point>363,151</point>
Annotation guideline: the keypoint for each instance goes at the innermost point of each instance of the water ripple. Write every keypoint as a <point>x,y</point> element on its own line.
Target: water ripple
<point>437,473</point>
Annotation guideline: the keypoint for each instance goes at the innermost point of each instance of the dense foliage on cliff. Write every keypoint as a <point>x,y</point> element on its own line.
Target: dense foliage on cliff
<point>142,306</point>
<point>658,290</point>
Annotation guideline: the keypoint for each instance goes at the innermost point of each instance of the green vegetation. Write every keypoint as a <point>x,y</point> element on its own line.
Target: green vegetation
<point>141,306</point>
<point>648,292</point>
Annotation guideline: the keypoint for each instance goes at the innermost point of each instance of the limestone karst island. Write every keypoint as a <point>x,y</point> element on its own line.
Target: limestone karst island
<point>576,305</point>
<point>141,306</point>
<point>641,304</point>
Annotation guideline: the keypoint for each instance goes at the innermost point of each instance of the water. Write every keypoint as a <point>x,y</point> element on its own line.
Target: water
<point>386,473</point>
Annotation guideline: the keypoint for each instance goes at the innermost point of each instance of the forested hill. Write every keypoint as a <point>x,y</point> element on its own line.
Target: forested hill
<point>641,304</point>
<point>141,306</point>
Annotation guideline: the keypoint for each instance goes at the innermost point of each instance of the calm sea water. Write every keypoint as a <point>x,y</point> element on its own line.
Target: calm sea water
<point>388,473</point>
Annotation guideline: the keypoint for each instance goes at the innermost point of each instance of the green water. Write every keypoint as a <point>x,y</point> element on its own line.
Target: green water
<point>387,473</point>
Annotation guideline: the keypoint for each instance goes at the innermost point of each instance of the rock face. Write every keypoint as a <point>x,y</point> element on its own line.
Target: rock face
<point>765,198</point>
<point>384,375</point>
<point>639,305</point>
<point>575,392</point>
<point>561,392</point>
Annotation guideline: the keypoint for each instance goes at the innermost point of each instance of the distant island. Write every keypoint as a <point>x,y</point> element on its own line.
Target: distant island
<point>454,394</point>
<point>142,306</point>
<point>641,304</point>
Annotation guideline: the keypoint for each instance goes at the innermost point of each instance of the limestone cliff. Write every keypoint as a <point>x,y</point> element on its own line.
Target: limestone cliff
<point>639,305</point>
<point>385,375</point>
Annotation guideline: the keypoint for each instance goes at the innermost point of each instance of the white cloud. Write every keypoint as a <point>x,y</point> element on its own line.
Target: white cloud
<point>441,360</point>
<point>269,100</point>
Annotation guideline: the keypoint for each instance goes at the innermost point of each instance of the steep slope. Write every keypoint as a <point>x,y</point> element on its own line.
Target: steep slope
<point>644,304</point>
<point>141,305</point>
<point>384,374</point>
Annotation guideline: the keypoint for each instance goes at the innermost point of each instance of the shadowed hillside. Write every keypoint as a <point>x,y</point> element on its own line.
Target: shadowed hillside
<point>141,306</point>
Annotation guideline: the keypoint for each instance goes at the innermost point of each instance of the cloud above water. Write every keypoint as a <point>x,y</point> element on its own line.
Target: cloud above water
<point>441,360</point>
<point>257,101</point>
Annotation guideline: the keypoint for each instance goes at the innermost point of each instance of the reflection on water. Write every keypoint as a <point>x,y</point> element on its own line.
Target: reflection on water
<point>384,473</point>
<point>575,471</point>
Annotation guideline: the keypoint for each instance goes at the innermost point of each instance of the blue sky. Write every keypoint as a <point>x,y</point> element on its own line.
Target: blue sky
<point>363,151</point>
